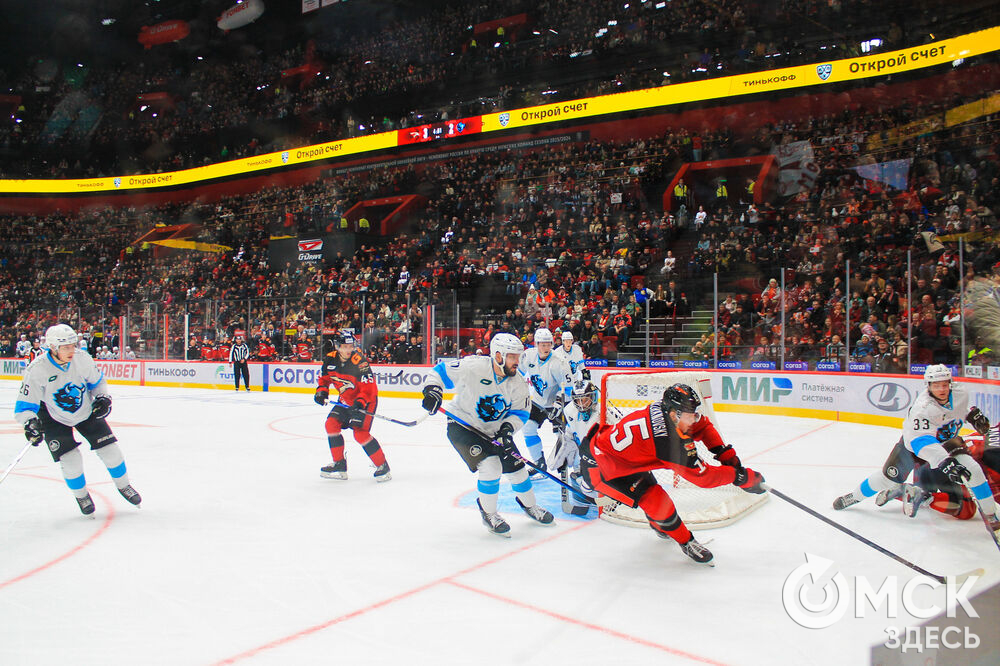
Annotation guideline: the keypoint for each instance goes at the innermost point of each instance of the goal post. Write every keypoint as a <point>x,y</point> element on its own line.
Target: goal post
<point>623,393</point>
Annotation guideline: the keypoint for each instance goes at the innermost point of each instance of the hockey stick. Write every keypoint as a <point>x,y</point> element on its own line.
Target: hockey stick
<point>408,424</point>
<point>982,514</point>
<point>11,466</point>
<point>517,455</point>
<point>884,551</point>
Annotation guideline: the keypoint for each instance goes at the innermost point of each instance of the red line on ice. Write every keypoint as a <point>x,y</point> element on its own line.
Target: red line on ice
<point>789,441</point>
<point>252,652</point>
<point>73,551</point>
<point>586,625</point>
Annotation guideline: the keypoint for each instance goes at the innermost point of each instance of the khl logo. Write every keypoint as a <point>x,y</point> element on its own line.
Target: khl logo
<point>824,71</point>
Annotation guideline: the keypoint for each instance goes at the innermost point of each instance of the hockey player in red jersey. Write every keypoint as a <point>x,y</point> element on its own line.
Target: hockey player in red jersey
<point>348,372</point>
<point>617,462</point>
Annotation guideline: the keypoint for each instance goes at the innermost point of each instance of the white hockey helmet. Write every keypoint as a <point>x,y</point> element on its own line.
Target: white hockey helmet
<point>937,373</point>
<point>566,335</point>
<point>543,335</point>
<point>505,343</point>
<point>59,335</point>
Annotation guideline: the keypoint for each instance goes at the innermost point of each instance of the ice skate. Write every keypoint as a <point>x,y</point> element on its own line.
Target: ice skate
<point>536,512</point>
<point>844,501</point>
<point>698,552</point>
<point>130,493</point>
<point>86,504</point>
<point>886,496</point>
<point>382,473</point>
<point>494,522</point>
<point>913,498</point>
<point>337,470</point>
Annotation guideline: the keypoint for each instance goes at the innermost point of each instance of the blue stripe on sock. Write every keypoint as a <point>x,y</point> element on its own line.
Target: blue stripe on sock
<point>982,491</point>
<point>866,488</point>
<point>77,483</point>
<point>489,487</point>
<point>522,487</point>
<point>117,472</point>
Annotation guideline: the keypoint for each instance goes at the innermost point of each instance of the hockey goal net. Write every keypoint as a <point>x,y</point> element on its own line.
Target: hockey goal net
<point>700,508</point>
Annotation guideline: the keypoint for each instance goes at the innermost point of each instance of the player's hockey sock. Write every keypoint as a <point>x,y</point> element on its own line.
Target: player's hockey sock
<point>489,483</point>
<point>72,469</point>
<point>113,459</point>
<point>534,444</point>
<point>521,484</point>
<point>873,485</point>
<point>374,451</point>
<point>662,515</point>
<point>336,446</point>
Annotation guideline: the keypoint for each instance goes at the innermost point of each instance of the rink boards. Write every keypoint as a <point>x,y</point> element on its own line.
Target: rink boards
<point>871,399</point>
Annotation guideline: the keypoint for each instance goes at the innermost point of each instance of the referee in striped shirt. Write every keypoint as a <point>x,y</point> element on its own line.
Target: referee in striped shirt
<point>238,355</point>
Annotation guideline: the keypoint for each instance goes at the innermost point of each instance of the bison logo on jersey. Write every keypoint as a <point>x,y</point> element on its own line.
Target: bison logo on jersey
<point>69,397</point>
<point>538,384</point>
<point>492,407</point>
<point>948,430</point>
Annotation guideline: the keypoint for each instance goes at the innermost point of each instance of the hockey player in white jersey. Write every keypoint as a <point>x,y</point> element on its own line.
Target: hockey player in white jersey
<point>581,417</point>
<point>491,403</point>
<point>930,434</point>
<point>571,353</point>
<point>550,381</point>
<point>63,390</point>
<point>22,347</point>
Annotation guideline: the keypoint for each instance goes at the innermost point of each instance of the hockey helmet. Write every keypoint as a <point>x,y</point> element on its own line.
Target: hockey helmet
<point>566,335</point>
<point>937,373</point>
<point>342,338</point>
<point>584,396</point>
<point>58,335</point>
<point>505,343</point>
<point>681,398</point>
<point>543,335</point>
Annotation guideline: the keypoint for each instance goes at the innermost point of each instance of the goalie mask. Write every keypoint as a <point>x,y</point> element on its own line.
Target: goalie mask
<point>681,398</point>
<point>585,398</point>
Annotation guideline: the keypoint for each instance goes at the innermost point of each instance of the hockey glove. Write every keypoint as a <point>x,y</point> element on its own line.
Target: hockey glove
<point>321,396</point>
<point>433,396</point>
<point>749,480</point>
<point>978,421</point>
<point>557,418</point>
<point>505,442</point>
<point>101,408</point>
<point>357,415</point>
<point>727,456</point>
<point>955,471</point>
<point>33,431</point>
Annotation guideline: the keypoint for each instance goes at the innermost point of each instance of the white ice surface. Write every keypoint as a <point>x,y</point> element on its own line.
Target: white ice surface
<point>241,553</point>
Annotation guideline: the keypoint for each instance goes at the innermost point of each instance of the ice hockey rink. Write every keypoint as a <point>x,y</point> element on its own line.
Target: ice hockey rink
<point>242,554</point>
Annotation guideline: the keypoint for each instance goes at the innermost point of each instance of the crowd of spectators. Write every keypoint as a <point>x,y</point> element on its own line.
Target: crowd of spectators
<point>847,223</point>
<point>371,77</point>
<point>570,235</point>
